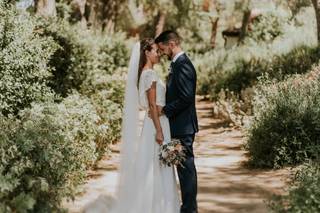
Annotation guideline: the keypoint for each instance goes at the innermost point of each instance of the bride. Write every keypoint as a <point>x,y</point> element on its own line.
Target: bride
<point>144,185</point>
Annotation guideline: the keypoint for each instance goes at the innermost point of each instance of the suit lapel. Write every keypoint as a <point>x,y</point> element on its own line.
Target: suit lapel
<point>172,70</point>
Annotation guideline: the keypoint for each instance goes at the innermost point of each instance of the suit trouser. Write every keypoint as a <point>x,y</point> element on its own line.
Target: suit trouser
<point>188,176</point>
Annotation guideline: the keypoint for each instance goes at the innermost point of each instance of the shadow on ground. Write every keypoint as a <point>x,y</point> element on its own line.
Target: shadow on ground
<point>225,185</point>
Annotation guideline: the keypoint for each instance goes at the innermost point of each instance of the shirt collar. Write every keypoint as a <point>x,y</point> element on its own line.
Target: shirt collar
<point>177,56</point>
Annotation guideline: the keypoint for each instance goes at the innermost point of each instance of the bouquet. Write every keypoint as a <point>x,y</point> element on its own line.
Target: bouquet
<point>172,153</point>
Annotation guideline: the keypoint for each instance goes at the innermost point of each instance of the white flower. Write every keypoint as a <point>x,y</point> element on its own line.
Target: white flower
<point>164,154</point>
<point>171,148</point>
<point>103,127</point>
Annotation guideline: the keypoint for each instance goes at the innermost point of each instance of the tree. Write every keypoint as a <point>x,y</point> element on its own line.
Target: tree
<point>213,9</point>
<point>245,23</point>
<point>161,22</point>
<point>99,15</point>
<point>245,7</point>
<point>296,5</point>
<point>78,8</point>
<point>45,8</point>
<point>317,11</point>
<point>161,15</point>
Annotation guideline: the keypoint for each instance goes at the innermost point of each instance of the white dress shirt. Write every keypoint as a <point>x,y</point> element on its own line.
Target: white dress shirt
<point>177,56</point>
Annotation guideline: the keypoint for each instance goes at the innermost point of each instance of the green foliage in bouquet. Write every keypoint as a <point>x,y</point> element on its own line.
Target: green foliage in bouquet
<point>44,155</point>
<point>286,125</point>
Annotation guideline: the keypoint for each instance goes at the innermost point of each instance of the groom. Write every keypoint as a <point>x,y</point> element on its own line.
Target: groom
<point>181,111</point>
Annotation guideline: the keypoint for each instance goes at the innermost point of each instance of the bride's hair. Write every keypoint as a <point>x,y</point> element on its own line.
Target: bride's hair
<point>145,44</point>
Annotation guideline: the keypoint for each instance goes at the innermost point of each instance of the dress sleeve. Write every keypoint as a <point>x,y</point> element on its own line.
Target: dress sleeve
<point>148,78</point>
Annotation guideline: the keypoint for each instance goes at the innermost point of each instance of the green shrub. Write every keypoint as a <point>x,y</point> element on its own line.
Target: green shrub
<point>45,150</point>
<point>44,156</point>
<point>246,73</point>
<point>298,61</point>
<point>267,27</point>
<point>111,118</point>
<point>286,123</point>
<point>269,48</point>
<point>236,71</point>
<point>93,65</point>
<point>81,53</point>
<point>104,85</point>
<point>112,53</point>
<point>110,63</point>
<point>73,60</point>
<point>24,57</point>
<point>304,194</point>
<point>107,94</point>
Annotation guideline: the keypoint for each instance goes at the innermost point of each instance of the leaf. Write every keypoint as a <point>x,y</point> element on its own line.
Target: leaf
<point>23,202</point>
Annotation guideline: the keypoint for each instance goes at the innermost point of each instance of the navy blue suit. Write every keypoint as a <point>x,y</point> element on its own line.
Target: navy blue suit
<point>181,110</point>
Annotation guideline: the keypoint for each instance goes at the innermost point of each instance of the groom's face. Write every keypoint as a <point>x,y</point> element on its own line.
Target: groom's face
<point>165,49</point>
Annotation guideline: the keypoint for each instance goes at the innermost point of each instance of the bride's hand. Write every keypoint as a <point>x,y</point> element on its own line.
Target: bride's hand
<point>159,137</point>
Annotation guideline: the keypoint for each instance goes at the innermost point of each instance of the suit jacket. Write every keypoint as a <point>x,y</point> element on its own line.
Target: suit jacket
<point>181,97</point>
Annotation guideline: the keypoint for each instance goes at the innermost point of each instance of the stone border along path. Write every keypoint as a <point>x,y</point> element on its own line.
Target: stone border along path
<point>224,183</point>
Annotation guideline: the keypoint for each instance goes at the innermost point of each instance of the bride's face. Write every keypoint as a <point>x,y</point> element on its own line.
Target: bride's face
<point>165,49</point>
<point>153,55</point>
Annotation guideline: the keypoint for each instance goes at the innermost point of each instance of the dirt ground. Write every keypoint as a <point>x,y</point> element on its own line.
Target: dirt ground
<point>225,184</point>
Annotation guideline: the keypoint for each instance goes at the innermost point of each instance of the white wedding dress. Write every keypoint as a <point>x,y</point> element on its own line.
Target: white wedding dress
<point>144,185</point>
<point>158,192</point>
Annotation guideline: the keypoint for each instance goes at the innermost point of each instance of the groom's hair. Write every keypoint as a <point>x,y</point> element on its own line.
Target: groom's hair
<point>167,36</point>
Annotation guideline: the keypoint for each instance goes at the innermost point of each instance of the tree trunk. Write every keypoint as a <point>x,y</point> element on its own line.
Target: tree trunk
<point>110,15</point>
<point>214,30</point>
<point>78,7</point>
<point>161,23</point>
<point>317,12</point>
<point>93,19</point>
<point>46,8</point>
<point>245,23</point>
<point>206,5</point>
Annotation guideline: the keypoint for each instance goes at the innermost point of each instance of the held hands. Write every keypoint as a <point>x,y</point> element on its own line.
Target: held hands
<point>159,110</point>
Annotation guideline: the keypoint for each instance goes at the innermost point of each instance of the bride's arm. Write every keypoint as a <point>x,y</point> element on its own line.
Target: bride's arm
<point>151,94</point>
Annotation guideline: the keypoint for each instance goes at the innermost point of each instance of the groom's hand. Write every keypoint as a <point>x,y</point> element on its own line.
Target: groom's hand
<point>160,111</point>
